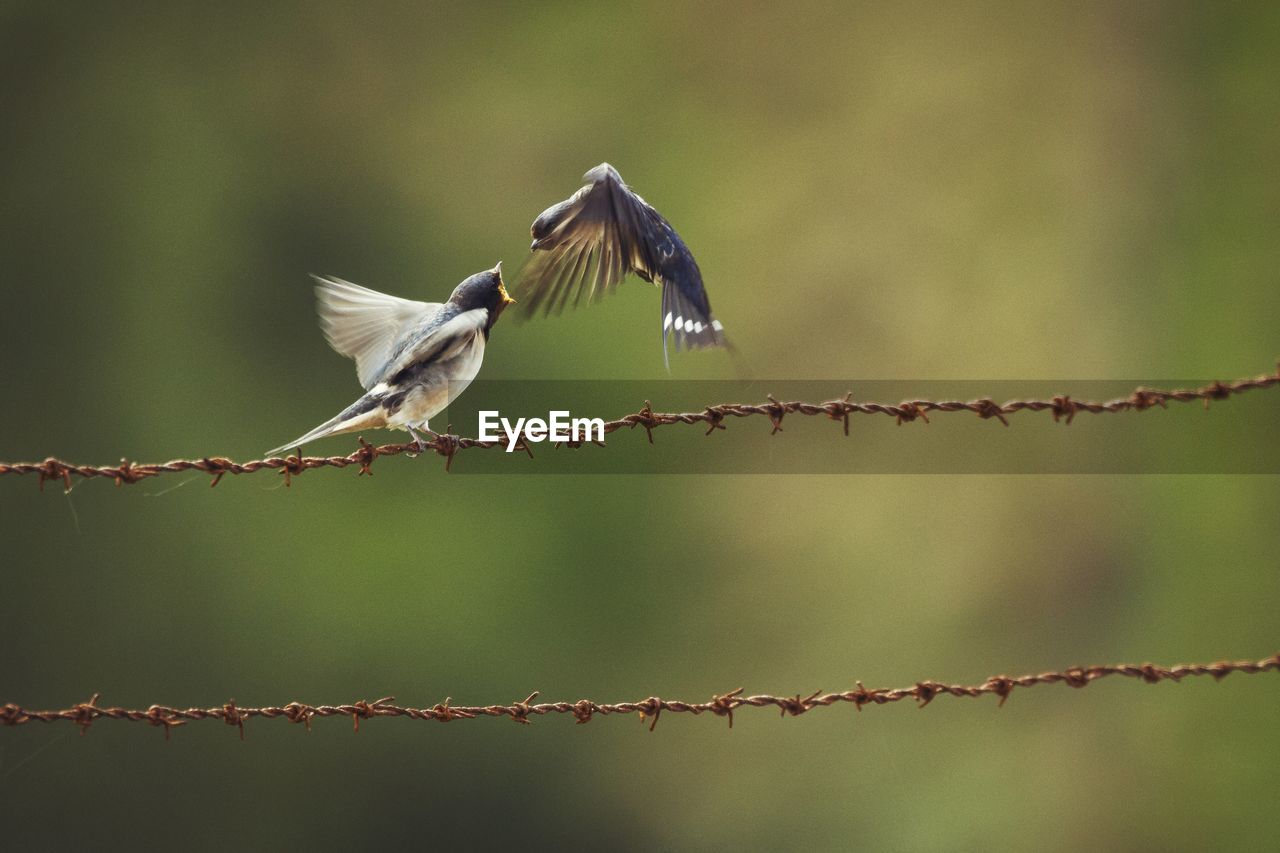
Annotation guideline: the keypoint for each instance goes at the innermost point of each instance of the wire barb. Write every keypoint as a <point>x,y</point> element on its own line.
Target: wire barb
<point>84,714</point>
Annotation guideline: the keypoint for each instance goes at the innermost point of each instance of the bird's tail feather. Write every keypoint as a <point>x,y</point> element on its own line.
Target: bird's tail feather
<point>365,413</point>
<point>688,322</point>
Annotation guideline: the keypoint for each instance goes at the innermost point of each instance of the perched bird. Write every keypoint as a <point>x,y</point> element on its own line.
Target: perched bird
<point>412,358</point>
<point>585,245</point>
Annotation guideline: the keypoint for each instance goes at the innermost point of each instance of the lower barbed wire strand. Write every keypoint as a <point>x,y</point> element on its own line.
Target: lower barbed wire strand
<point>85,714</point>
<point>1063,408</point>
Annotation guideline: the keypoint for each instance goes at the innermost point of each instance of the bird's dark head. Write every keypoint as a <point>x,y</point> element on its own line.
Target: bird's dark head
<point>483,290</point>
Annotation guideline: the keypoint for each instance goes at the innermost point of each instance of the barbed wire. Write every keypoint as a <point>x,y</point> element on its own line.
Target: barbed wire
<point>1062,407</point>
<point>85,714</point>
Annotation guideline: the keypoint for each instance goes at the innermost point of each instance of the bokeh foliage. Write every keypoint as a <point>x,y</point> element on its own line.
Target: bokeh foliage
<point>1000,190</point>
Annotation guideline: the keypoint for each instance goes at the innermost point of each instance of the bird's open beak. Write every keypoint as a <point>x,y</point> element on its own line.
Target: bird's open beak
<point>502,286</point>
<point>506,297</point>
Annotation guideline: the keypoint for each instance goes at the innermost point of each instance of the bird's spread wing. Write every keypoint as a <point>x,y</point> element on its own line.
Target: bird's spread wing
<point>585,245</point>
<point>445,337</point>
<point>366,325</point>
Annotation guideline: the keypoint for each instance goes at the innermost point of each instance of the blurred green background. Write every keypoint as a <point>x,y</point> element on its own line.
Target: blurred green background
<point>1014,191</point>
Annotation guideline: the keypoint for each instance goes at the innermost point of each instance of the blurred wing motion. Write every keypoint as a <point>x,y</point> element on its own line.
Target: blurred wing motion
<point>583,246</point>
<point>366,325</point>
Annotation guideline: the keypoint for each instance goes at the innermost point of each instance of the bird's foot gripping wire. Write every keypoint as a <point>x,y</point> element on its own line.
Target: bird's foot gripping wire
<point>420,444</point>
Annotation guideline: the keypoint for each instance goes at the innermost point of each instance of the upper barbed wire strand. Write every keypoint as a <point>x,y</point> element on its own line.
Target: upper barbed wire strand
<point>85,714</point>
<point>1062,407</point>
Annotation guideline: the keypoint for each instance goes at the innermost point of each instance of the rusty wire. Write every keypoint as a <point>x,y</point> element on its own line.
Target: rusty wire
<point>85,714</point>
<point>1063,408</point>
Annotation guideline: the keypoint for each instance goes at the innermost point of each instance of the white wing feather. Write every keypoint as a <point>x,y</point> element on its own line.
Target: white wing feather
<point>364,324</point>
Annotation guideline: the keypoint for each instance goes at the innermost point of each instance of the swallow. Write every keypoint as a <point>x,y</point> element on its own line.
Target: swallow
<point>584,246</point>
<point>412,358</point>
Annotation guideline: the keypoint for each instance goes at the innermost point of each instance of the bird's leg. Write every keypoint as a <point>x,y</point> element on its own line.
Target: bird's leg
<point>419,440</point>
<point>419,444</point>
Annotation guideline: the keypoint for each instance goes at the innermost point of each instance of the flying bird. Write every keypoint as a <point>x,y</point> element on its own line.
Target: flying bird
<point>584,246</point>
<point>411,357</point>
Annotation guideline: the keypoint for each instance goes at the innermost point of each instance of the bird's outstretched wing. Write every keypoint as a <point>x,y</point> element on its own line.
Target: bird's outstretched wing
<point>583,246</point>
<point>366,325</point>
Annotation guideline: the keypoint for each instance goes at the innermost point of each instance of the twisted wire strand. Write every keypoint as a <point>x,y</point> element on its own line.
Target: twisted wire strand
<point>85,714</point>
<point>1062,407</point>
